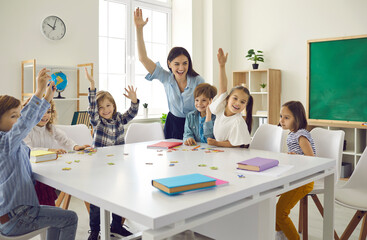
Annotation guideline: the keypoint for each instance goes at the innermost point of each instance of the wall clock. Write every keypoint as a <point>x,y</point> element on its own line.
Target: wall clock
<point>53,28</point>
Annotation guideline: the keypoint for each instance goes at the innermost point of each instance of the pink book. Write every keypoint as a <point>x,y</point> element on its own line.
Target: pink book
<point>257,164</point>
<point>165,145</point>
<point>219,182</point>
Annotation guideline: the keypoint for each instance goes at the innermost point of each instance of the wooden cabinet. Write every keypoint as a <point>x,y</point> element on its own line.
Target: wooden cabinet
<point>267,102</point>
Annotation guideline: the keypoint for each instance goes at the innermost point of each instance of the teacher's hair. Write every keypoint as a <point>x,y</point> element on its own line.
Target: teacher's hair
<point>178,51</point>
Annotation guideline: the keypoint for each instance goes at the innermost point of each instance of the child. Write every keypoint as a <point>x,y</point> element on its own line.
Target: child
<point>230,129</point>
<point>108,130</point>
<point>299,141</point>
<point>20,212</point>
<point>199,123</point>
<point>45,136</point>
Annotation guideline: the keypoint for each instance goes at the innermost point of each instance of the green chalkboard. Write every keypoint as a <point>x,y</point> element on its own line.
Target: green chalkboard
<point>338,79</point>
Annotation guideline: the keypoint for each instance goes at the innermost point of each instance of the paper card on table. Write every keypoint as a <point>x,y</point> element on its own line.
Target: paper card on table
<point>165,145</point>
<point>257,164</point>
<point>42,156</point>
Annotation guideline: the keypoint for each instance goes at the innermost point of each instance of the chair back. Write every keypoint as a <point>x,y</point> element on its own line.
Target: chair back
<point>142,132</point>
<point>358,179</point>
<point>79,133</point>
<point>268,137</point>
<point>329,144</point>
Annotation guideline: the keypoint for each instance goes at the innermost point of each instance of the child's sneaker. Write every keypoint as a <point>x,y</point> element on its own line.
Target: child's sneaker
<point>93,235</point>
<point>120,232</point>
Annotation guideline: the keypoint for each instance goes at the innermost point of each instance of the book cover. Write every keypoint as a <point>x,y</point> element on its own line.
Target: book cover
<point>165,145</point>
<point>219,182</point>
<point>42,156</point>
<point>257,164</point>
<point>183,183</point>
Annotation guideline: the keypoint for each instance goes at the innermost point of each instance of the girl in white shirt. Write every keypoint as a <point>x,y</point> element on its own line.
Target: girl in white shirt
<point>45,136</point>
<point>230,128</point>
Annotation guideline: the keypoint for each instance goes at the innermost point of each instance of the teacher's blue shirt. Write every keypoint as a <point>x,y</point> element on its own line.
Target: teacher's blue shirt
<point>179,104</point>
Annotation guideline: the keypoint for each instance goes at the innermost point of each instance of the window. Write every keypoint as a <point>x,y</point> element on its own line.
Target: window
<point>119,65</point>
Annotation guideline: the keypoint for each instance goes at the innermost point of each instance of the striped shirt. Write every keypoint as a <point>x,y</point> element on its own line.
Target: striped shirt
<point>16,180</point>
<point>109,132</point>
<point>293,141</point>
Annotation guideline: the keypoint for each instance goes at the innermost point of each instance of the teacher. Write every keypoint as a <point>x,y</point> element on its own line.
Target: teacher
<point>179,83</point>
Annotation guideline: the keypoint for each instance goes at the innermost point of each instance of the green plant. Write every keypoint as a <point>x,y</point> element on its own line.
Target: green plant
<point>145,105</point>
<point>255,56</point>
<point>262,85</point>
<point>163,118</point>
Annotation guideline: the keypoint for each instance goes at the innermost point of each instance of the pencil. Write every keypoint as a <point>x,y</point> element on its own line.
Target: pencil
<point>196,147</point>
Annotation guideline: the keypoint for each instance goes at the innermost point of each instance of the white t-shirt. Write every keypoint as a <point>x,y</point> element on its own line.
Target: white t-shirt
<point>233,128</point>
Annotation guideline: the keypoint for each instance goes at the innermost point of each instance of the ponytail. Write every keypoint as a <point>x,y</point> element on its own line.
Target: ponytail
<point>249,106</point>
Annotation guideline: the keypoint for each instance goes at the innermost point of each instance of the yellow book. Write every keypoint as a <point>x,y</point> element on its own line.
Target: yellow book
<point>42,156</point>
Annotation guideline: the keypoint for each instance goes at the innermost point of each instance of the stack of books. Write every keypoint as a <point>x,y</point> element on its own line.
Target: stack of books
<point>42,156</point>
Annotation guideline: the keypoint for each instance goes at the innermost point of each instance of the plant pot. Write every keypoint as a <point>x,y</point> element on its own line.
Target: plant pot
<point>262,89</point>
<point>255,66</point>
<point>145,112</point>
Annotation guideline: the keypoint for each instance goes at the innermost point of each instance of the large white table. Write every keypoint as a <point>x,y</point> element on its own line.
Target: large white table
<point>244,209</point>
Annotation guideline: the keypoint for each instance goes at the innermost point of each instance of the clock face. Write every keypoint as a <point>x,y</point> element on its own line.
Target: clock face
<point>53,28</point>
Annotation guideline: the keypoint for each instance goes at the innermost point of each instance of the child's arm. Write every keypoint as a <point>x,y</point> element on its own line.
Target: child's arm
<point>214,142</point>
<point>133,110</point>
<point>188,136</point>
<point>90,79</point>
<point>66,142</point>
<point>143,57</point>
<point>93,106</point>
<point>222,59</point>
<point>305,146</point>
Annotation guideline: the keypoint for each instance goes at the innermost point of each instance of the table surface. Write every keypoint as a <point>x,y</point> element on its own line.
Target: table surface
<point>125,187</point>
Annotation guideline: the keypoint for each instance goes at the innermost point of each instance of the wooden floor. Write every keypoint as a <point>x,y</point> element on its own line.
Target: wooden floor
<point>342,217</point>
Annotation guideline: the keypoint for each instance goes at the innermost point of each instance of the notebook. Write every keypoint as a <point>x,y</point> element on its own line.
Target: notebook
<point>42,156</point>
<point>165,145</point>
<point>257,164</point>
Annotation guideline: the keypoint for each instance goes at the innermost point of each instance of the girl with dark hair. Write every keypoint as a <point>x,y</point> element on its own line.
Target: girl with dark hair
<point>179,82</point>
<point>230,129</point>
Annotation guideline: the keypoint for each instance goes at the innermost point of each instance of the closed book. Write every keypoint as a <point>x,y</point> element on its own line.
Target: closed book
<point>183,183</point>
<point>42,156</point>
<point>164,145</point>
<point>257,164</point>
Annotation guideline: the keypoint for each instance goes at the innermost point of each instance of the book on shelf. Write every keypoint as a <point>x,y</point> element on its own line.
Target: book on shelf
<point>257,164</point>
<point>42,156</point>
<point>164,145</point>
<point>184,183</point>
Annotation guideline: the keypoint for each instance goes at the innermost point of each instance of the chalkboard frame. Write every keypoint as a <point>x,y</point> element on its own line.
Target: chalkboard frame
<point>328,122</point>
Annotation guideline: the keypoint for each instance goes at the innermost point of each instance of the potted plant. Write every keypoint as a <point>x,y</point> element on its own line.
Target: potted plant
<point>262,87</point>
<point>255,56</point>
<point>163,118</point>
<point>145,105</point>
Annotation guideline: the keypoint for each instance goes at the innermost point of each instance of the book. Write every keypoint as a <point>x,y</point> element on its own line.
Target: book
<point>42,156</point>
<point>257,164</point>
<point>183,183</point>
<point>165,145</point>
<point>219,182</point>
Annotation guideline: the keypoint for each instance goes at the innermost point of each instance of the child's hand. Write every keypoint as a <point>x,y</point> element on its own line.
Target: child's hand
<point>131,94</point>
<point>58,150</point>
<point>77,147</point>
<point>222,59</point>
<point>138,19</point>
<point>208,112</point>
<point>51,88</point>
<point>211,141</point>
<point>42,79</point>
<point>190,142</point>
<point>90,78</point>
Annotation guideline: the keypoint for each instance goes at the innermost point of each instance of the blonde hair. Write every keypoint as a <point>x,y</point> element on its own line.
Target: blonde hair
<point>53,114</point>
<point>102,95</point>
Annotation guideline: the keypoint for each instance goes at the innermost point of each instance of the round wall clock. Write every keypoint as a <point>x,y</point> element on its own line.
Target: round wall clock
<point>53,28</point>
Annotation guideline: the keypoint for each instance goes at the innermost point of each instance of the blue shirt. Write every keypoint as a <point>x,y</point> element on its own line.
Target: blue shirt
<point>192,127</point>
<point>16,180</point>
<point>293,141</point>
<point>179,104</point>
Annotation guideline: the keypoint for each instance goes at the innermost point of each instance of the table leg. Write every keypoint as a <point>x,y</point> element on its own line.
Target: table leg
<point>329,198</point>
<point>105,224</point>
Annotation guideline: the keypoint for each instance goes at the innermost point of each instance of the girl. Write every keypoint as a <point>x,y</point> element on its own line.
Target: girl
<point>20,212</point>
<point>108,130</point>
<point>45,136</point>
<point>199,123</point>
<point>179,83</point>
<point>230,129</point>
<point>299,141</point>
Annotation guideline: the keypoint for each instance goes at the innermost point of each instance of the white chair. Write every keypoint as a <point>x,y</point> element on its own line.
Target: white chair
<point>79,133</point>
<point>41,232</point>
<point>268,137</point>
<point>353,194</point>
<point>328,144</point>
<point>142,132</point>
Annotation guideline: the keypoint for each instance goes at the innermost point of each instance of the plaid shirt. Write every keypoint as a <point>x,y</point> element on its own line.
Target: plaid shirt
<point>109,132</point>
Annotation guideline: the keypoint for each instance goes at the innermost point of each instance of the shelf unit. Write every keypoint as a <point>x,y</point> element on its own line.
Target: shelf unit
<point>266,103</point>
<point>73,95</point>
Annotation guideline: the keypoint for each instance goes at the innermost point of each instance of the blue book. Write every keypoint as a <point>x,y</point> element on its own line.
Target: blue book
<point>183,183</point>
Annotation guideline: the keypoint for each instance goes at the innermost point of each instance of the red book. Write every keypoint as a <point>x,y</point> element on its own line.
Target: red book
<point>165,145</point>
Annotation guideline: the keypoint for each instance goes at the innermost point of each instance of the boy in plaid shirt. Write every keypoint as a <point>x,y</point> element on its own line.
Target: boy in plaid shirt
<point>108,130</point>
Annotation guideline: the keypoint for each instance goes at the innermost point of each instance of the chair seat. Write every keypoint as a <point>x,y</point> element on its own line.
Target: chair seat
<point>26,236</point>
<point>319,188</point>
<point>352,198</point>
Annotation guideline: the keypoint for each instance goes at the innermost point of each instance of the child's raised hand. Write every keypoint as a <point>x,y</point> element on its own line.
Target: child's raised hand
<point>51,88</point>
<point>222,59</point>
<point>42,79</point>
<point>77,147</point>
<point>90,79</point>
<point>138,19</point>
<point>190,142</point>
<point>131,94</point>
